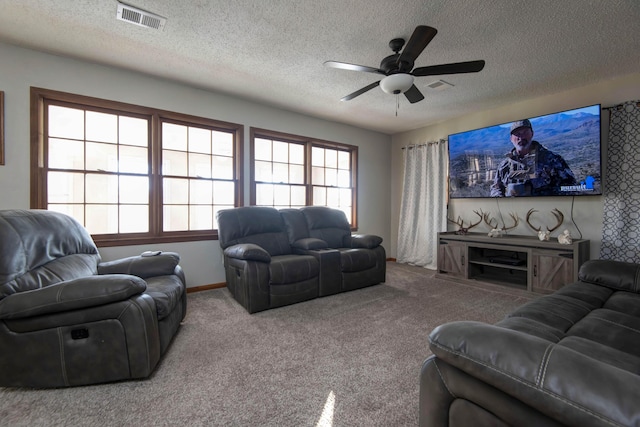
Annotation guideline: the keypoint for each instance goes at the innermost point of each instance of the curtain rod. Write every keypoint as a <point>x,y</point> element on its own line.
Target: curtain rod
<point>423,144</point>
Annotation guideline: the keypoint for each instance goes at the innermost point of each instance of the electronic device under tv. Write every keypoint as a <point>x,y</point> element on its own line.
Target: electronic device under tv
<point>477,157</point>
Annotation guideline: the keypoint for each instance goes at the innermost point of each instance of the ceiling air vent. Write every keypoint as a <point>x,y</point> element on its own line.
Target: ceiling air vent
<point>439,85</point>
<point>140,17</point>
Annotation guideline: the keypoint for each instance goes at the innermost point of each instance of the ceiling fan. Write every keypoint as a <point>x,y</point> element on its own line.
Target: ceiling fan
<point>398,68</point>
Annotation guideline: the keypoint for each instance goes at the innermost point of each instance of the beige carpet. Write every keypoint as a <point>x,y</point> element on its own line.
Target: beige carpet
<point>347,360</point>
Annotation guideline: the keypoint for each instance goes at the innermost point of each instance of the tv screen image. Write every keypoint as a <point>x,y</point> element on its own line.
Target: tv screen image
<point>552,155</point>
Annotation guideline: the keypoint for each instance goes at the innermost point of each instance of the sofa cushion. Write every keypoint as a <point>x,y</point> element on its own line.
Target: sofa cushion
<point>603,353</point>
<point>24,253</point>
<point>59,270</point>
<point>624,302</point>
<point>330,225</point>
<point>592,294</point>
<point>248,251</point>
<point>295,223</point>
<point>76,294</point>
<point>610,328</point>
<point>556,311</point>
<point>532,327</point>
<point>260,225</point>
<point>159,264</point>
<point>285,269</point>
<point>357,259</point>
<point>166,292</point>
<point>274,243</point>
<point>368,241</point>
<point>310,244</point>
<point>617,275</point>
<point>336,238</point>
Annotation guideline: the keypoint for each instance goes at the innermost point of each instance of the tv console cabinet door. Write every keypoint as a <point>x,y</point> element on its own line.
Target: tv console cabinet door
<point>451,258</point>
<point>551,270</point>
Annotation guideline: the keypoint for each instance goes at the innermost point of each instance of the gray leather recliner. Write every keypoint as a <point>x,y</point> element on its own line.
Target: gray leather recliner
<point>358,260</point>
<point>261,268</point>
<point>66,318</point>
<point>571,358</point>
<point>274,258</point>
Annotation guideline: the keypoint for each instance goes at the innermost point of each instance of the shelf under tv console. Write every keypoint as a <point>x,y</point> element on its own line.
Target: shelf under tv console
<point>523,262</point>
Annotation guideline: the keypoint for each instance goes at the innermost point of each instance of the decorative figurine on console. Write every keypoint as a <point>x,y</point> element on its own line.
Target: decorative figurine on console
<point>544,235</point>
<point>499,232</point>
<point>460,223</point>
<point>495,232</point>
<point>565,238</point>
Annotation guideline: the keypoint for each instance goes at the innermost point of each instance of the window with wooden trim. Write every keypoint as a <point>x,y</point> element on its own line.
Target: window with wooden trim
<point>197,176</point>
<point>294,171</point>
<point>131,174</point>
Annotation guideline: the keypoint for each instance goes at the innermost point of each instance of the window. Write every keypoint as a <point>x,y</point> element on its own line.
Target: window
<point>132,174</point>
<point>197,176</point>
<point>293,171</point>
<point>331,178</point>
<point>279,173</point>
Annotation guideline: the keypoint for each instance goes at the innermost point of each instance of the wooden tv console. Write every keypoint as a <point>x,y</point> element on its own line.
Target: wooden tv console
<point>523,262</point>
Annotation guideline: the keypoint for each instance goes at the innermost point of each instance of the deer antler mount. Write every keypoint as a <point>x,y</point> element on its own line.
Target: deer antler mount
<point>460,223</point>
<point>544,235</point>
<point>493,224</point>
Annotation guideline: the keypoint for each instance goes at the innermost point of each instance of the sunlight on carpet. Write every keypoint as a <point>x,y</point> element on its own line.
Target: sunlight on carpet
<point>326,419</point>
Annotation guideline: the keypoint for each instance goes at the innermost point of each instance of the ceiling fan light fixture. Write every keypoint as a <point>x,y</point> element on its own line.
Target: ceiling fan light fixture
<point>396,83</point>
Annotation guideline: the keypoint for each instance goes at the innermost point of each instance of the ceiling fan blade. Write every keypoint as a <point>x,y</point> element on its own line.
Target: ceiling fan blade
<point>454,68</point>
<point>420,38</point>
<point>360,91</point>
<point>414,95</point>
<point>352,67</point>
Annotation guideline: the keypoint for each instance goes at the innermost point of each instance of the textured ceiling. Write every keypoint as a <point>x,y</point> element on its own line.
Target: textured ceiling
<point>272,52</point>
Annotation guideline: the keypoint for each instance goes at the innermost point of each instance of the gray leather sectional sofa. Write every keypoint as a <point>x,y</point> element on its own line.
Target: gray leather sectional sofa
<point>571,358</point>
<point>68,319</point>
<point>276,257</point>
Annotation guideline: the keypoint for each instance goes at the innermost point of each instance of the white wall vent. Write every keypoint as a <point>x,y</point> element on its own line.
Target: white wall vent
<point>439,85</point>
<point>140,17</point>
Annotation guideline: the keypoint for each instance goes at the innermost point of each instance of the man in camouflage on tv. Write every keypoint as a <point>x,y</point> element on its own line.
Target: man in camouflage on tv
<point>530,169</point>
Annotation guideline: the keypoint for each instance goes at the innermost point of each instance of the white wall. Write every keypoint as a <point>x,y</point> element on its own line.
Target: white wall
<point>22,68</point>
<point>587,211</point>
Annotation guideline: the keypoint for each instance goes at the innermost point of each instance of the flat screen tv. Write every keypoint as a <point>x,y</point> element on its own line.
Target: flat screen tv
<point>553,155</point>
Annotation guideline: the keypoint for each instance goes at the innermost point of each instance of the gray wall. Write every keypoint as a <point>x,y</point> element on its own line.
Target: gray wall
<point>587,210</point>
<point>22,68</point>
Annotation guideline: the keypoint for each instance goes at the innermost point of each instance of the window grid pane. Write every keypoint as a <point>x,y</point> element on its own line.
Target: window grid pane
<point>86,161</point>
<point>331,179</point>
<point>277,161</point>
<point>199,173</point>
<point>279,173</point>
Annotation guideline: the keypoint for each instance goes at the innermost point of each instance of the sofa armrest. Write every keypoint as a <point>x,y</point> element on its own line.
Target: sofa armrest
<point>70,295</point>
<point>158,264</point>
<point>310,244</point>
<point>367,241</point>
<point>569,386</point>
<point>619,275</point>
<point>248,252</point>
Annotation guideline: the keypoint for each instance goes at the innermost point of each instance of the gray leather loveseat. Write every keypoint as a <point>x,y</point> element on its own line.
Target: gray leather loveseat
<point>571,358</point>
<point>68,319</point>
<point>276,257</point>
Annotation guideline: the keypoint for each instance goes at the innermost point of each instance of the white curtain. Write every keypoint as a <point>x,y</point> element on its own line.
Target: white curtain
<point>621,228</point>
<point>423,212</point>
